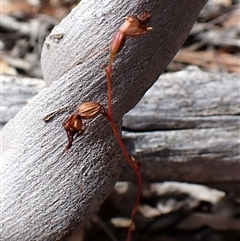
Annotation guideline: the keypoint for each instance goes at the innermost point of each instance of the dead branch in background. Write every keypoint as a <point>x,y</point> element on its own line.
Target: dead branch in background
<point>48,194</point>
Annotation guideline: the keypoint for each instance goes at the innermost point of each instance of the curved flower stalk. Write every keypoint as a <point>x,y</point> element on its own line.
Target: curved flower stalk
<point>132,27</point>
<point>74,124</point>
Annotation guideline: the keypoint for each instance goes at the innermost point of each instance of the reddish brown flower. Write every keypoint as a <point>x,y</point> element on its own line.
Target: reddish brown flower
<point>132,27</point>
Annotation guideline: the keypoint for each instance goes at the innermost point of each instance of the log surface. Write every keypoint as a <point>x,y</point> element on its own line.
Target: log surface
<point>46,193</point>
<point>187,123</point>
<point>172,139</point>
<point>186,128</point>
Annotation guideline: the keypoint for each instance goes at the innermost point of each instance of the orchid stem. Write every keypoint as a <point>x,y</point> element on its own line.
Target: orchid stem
<point>134,166</point>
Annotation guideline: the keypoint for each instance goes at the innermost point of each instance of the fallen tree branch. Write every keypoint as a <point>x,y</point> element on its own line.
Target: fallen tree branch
<point>47,193</point>
<point>187,123</point>
<point>186,129</point>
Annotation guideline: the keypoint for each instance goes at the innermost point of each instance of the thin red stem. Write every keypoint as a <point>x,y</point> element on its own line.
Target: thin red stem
<point>108,71</point>
<point>133,165</point>
<point>135,169</point>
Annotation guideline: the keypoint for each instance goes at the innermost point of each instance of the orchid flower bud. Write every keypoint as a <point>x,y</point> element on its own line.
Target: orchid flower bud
<point>73,125</point>
<point>89,110</point>
<point>132,27</point>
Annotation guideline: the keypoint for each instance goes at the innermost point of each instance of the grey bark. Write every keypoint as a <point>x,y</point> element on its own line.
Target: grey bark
<point>47,193</point>
<point>186,128</point>
<point>15,92</point>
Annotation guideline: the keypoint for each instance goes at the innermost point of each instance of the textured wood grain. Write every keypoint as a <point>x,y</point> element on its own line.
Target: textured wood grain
<point>186,128</point>
<point>46,193</point>
<point>15,92</point>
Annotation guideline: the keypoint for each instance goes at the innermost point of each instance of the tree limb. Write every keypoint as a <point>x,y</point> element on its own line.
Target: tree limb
<point>186,128</point>
<point>47,193</point>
